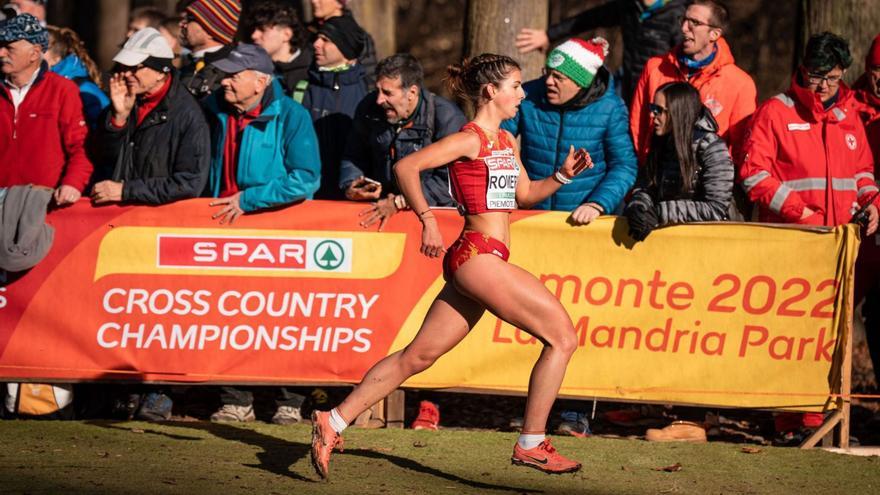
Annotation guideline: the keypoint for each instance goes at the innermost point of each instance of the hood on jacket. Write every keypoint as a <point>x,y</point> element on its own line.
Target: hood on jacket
<point>870,104</point>
<point>301,62</point>
<point>70,67</point>
<point>810,101</point>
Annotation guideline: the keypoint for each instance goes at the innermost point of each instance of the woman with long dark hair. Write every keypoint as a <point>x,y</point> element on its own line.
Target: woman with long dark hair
<point>488,182</point>
<point>688,176</point>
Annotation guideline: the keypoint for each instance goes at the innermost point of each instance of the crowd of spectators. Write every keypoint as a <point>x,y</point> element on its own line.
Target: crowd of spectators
<point>259,110</point>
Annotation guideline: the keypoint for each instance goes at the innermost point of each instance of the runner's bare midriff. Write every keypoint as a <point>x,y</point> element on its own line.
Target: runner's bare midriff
<point>494,224</point>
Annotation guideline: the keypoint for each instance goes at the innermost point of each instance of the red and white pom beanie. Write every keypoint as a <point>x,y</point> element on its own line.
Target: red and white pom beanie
<point>578,59</point>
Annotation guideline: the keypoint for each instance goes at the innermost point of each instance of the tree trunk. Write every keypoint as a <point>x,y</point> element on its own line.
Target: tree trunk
<point>378,17</point>
<point>112,22</point>
<point>856,20</point>
<point>491,26</point>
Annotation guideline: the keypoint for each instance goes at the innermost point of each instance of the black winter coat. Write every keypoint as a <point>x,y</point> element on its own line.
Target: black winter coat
<point>164,159</point>
<point>642,38</point>
<point>712,194</point>
<point>331,99</point>
<point>374,145</point>
<point>290,73</point>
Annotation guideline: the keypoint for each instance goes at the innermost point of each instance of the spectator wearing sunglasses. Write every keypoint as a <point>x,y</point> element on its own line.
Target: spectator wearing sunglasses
<point>703,59</point>
<point>154,138</point>
<point>688,176</point>
<point>575,104</point>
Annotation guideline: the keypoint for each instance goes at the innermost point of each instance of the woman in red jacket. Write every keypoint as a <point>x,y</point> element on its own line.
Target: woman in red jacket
<point>488,182</point>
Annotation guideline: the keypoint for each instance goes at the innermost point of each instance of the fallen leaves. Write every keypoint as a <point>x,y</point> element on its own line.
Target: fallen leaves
<point>751,450</point>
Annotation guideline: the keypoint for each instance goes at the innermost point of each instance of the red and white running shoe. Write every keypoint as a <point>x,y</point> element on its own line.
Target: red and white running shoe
<point>324,440</point>
<point>544,458</point>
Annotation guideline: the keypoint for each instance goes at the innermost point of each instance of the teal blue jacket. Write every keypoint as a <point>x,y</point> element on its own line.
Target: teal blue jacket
<point>278,159</point>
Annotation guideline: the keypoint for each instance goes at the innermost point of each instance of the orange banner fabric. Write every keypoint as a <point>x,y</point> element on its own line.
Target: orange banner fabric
<point>739,315</point>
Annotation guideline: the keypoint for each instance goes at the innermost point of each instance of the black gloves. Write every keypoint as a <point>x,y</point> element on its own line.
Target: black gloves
<point>642,220</point>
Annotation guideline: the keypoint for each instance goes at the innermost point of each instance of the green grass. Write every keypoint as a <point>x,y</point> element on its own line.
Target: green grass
<point>188,458</point>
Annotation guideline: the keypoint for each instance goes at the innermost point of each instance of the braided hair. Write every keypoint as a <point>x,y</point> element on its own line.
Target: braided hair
<point>467,79</point>
<point>64,42</point>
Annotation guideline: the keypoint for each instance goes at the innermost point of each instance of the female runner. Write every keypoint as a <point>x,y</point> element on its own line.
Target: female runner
<point>488,182</point>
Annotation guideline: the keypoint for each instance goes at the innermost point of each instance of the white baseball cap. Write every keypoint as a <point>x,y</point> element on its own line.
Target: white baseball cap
<point>146,43</point>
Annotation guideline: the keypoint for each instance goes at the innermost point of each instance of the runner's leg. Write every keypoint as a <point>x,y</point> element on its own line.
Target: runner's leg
<point>520,299</point>
<point>448,321</point>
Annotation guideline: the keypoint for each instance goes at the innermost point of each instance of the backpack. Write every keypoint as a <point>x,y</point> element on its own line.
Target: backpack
<point>41,400</point>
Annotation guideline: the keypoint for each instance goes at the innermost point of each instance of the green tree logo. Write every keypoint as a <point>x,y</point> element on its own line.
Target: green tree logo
<point>329,255</point>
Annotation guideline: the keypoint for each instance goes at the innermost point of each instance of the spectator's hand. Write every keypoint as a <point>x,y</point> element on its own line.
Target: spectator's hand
<point>585,214</point>
<point>529,40</point>
<point>107,191</point>
<point>121,97</point>
<point>66,195</point>
<point>380,212</point>
<point>873,220</point>
<point>230,211</point>
<point>363,189</point>
<point>576,162</point>
<point>641,221</point>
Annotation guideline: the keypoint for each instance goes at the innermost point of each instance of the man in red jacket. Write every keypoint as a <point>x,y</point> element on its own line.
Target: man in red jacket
<point>808,161</point>
<point>704,60</point>
<point>42,127</point>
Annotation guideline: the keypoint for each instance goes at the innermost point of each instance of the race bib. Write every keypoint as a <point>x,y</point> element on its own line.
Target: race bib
<point>503,174</point>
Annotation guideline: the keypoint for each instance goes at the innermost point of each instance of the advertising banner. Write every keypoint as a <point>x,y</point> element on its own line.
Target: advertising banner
<point>715,314</point>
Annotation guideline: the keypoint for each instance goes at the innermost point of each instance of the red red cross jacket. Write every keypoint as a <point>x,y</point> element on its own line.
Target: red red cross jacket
<point>44,142</point>
<point>799,155</point>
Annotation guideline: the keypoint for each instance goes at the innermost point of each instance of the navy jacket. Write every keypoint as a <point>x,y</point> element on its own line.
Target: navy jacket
<point>374,145</point>
<point>331,99</point>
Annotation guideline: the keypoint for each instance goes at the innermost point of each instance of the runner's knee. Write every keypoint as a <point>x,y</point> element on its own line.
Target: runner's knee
<point>416,362</point>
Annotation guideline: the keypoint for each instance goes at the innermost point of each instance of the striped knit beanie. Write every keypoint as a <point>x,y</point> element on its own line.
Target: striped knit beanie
<point>579,60</point>
<point>219,18</point>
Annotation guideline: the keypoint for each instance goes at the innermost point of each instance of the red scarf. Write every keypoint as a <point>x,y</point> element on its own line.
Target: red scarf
<point>235,125</point>
<point>150,101</point>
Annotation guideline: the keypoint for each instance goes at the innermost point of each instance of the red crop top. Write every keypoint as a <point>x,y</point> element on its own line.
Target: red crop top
<point>488,182</point>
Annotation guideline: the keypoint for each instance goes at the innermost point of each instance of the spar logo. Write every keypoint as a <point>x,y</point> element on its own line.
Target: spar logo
<point>330,254</point>
<point>306,254</point>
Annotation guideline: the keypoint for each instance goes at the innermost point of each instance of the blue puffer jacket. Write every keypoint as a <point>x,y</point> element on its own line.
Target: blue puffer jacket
<point>94,100</point>
<point>278,161</point>
<point>601,127</point>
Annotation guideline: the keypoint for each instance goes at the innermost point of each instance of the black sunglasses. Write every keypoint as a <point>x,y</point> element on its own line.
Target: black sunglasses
<point>656,109</point>
<point>118,68</point>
